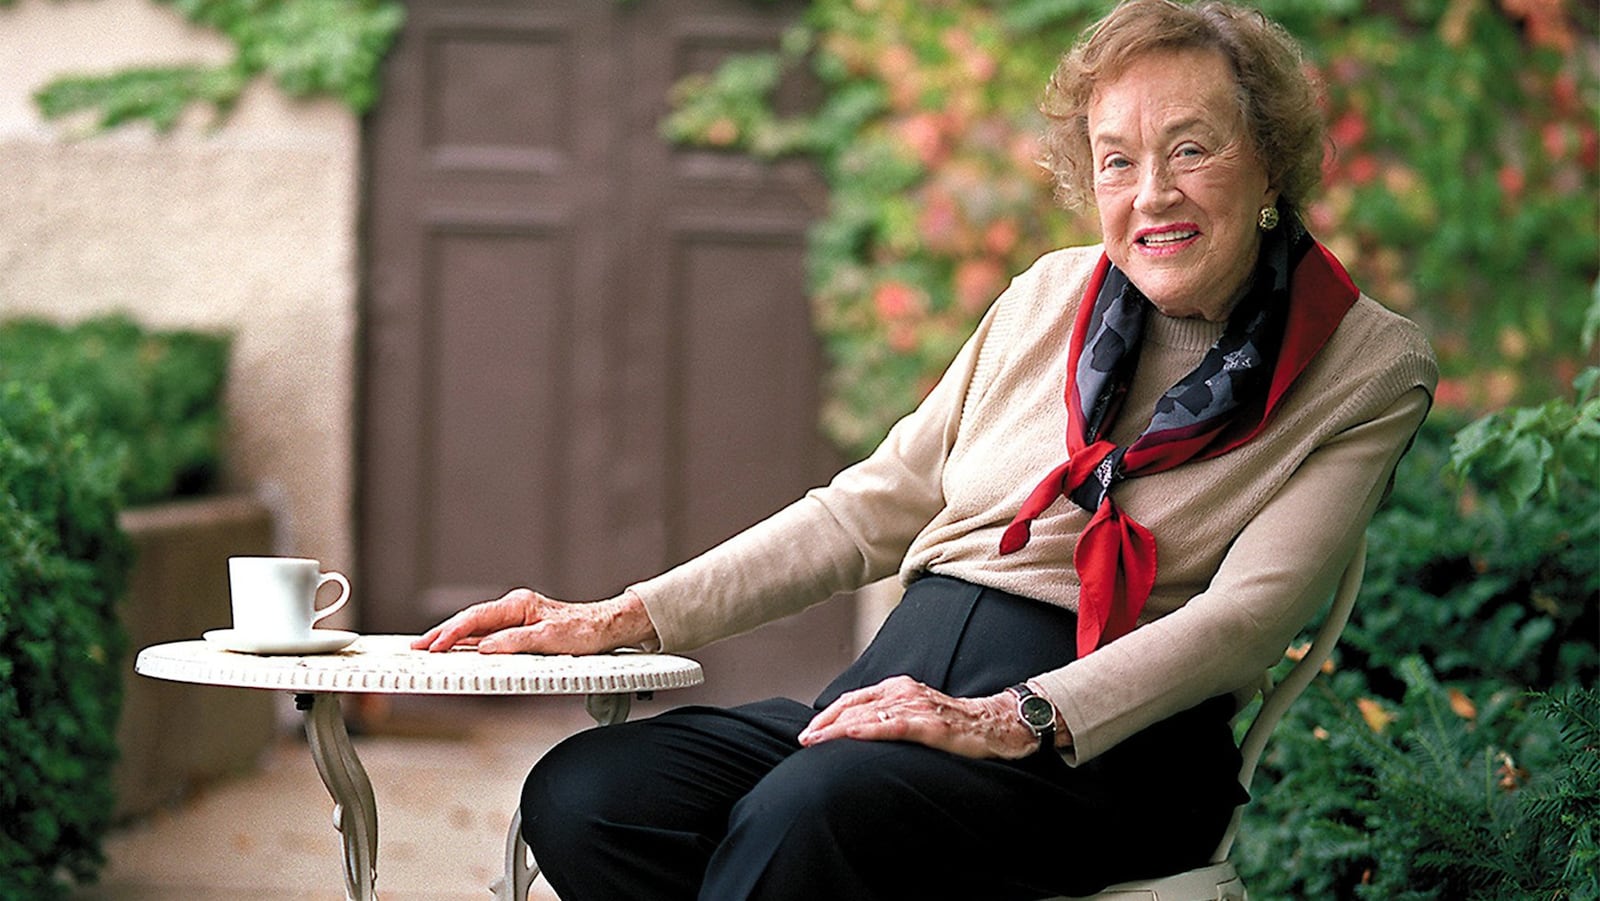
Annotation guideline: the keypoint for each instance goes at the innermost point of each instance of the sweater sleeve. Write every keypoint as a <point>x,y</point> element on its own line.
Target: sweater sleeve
<point>1278,572</point>
<point>837,537</point>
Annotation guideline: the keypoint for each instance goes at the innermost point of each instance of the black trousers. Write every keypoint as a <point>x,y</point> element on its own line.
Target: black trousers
<point>724,804</point>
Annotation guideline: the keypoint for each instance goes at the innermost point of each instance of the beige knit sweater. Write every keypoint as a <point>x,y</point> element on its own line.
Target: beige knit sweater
<point>1249,543</point>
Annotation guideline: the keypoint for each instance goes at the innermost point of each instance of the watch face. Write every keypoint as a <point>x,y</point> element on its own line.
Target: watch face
<point>1037,712</point>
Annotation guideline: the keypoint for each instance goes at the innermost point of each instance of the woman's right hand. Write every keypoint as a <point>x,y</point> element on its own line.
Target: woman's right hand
<point>524,621</point>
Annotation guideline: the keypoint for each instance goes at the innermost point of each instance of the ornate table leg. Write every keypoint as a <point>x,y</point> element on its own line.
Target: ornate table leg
<point>608,710</point>
<point>355,811</point>
<point>521,868</point>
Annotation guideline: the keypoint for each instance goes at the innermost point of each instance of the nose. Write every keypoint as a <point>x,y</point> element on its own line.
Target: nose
<point>1158,189</point>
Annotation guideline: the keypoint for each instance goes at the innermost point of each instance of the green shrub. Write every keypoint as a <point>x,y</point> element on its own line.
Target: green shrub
<point>63,564</point>
<point>308,47</point>
<point>1476,584</point>
<point>1468,808</point>
<point>153,397</point>
<point>1427,765</point>
<point>1445,794</point>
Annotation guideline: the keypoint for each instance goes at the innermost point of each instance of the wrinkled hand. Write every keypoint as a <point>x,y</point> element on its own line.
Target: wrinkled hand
<point>526,621</point>
<point>903,709</point>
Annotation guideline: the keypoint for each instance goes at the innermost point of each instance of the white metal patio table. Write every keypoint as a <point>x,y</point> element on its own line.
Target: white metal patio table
<point>386,664</point>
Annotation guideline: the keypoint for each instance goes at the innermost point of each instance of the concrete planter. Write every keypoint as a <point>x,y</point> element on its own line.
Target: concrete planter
<point>175,736</point>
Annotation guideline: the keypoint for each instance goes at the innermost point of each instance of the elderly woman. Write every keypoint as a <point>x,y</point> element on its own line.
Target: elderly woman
<point>1047,710</point>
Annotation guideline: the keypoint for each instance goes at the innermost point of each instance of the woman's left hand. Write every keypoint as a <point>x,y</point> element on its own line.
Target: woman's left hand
<point>903,709</point>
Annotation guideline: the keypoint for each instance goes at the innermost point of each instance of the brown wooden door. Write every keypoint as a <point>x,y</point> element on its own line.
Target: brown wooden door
<point>587,354</point>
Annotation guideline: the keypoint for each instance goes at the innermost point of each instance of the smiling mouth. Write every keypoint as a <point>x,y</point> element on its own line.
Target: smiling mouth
<point>1167,238</point>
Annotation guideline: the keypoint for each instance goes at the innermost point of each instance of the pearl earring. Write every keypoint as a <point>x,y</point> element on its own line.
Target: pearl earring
<point>1268,219</point>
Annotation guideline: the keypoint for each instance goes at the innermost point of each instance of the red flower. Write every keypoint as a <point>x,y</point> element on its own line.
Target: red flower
<point>977,282</point>
<point>1564,89</point>
<point>895,300</point>
<point>1554,137</point>
<point>902,337</point>
<point>939,222</point>
<point>924,134</point>
<point>1512,181</point>
<point>1348,130</point>
<point>1589,148</point>
<point>1545,20</point>
<point>1452,394</point>
<point>1363,169</point>
<point>1000,238</point>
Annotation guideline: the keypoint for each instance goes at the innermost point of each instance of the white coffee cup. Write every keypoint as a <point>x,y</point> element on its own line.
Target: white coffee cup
<point>275,598</point>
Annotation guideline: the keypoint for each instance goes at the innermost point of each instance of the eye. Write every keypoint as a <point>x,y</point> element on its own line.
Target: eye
<point>1189,153</point>
<point>1116,162</point>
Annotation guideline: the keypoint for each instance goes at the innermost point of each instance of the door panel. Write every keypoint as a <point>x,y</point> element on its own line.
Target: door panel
<point>588,354</point>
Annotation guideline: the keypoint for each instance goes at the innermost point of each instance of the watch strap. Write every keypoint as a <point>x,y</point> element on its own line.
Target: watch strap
<point>1037,713</point>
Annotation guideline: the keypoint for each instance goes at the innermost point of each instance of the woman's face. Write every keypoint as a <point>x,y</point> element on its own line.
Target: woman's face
<point>1177,181</point>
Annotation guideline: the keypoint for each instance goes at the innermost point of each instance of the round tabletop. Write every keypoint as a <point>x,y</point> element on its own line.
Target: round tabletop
<point>386,664</point>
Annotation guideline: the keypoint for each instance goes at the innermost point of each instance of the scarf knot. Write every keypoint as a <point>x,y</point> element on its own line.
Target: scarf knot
<point>1299,295</point>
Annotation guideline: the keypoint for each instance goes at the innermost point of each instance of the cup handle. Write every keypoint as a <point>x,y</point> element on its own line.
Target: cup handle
<point>344,595</point>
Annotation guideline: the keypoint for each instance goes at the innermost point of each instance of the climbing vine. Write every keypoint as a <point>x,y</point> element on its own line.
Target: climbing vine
<point>308,47</point>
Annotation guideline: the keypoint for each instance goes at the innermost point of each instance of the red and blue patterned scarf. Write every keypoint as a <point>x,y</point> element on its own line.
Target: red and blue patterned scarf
<point>1299,296</point>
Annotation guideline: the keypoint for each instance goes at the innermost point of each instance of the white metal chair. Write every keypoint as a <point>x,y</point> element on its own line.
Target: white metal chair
<point>1216,881</point>
<point>607,710</point>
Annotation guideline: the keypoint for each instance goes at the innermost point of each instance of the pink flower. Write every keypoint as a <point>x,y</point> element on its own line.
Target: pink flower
<point>1363,169</point>
<point>895,300</point>
<point>977,282</point>
<point>1000,238</point>
<point>1511,180</point>
<point>1589,148</point>
<point>722,133</point>
<point>1348,130</point>
<point>939,223</point>
<point>902,337</point>
<point>1564,90</point>
<point>1545,21</point>
<point>924,134</point>
<point>1554,137</point>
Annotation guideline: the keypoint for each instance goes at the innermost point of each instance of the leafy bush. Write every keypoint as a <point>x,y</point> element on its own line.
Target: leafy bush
<point>63,564</point>
<point>309,47</point>
<point>154,398</point>
<point>1445,794</point>
<point>1477,824</point>
<point>1422,767</point>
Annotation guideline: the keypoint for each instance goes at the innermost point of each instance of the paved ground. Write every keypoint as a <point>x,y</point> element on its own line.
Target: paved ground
<point>446,775</point>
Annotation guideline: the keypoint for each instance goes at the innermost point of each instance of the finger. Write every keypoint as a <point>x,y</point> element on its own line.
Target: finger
<point>873,696</point>
<point>904,710</point>
<point>865,715</point>
<point>850,699</point>
<point>864,722</point>
<point>479,619</point>
<point>534,639</point>
<point>443,636</point>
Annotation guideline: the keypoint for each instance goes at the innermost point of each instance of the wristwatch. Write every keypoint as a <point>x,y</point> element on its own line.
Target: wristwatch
<point>1037,713</point>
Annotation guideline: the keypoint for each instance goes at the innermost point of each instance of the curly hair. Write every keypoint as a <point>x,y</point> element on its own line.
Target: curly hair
<point>1276,93</point>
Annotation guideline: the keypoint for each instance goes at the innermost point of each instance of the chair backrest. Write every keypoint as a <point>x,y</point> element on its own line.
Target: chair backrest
<point>1275,699</point>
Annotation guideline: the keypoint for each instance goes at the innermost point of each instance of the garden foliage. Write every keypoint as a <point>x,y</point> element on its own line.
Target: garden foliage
<point>1421,766</point>
<point>93,416</point>
<point>63,562</point>
<point>153,399</point>
<point>308,47</point>
<point>1454,751</point>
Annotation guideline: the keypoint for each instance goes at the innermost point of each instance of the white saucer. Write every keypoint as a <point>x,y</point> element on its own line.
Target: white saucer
<point>322,641</point>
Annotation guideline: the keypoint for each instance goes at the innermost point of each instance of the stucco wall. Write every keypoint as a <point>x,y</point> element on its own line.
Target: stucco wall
<point>250,228</point>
